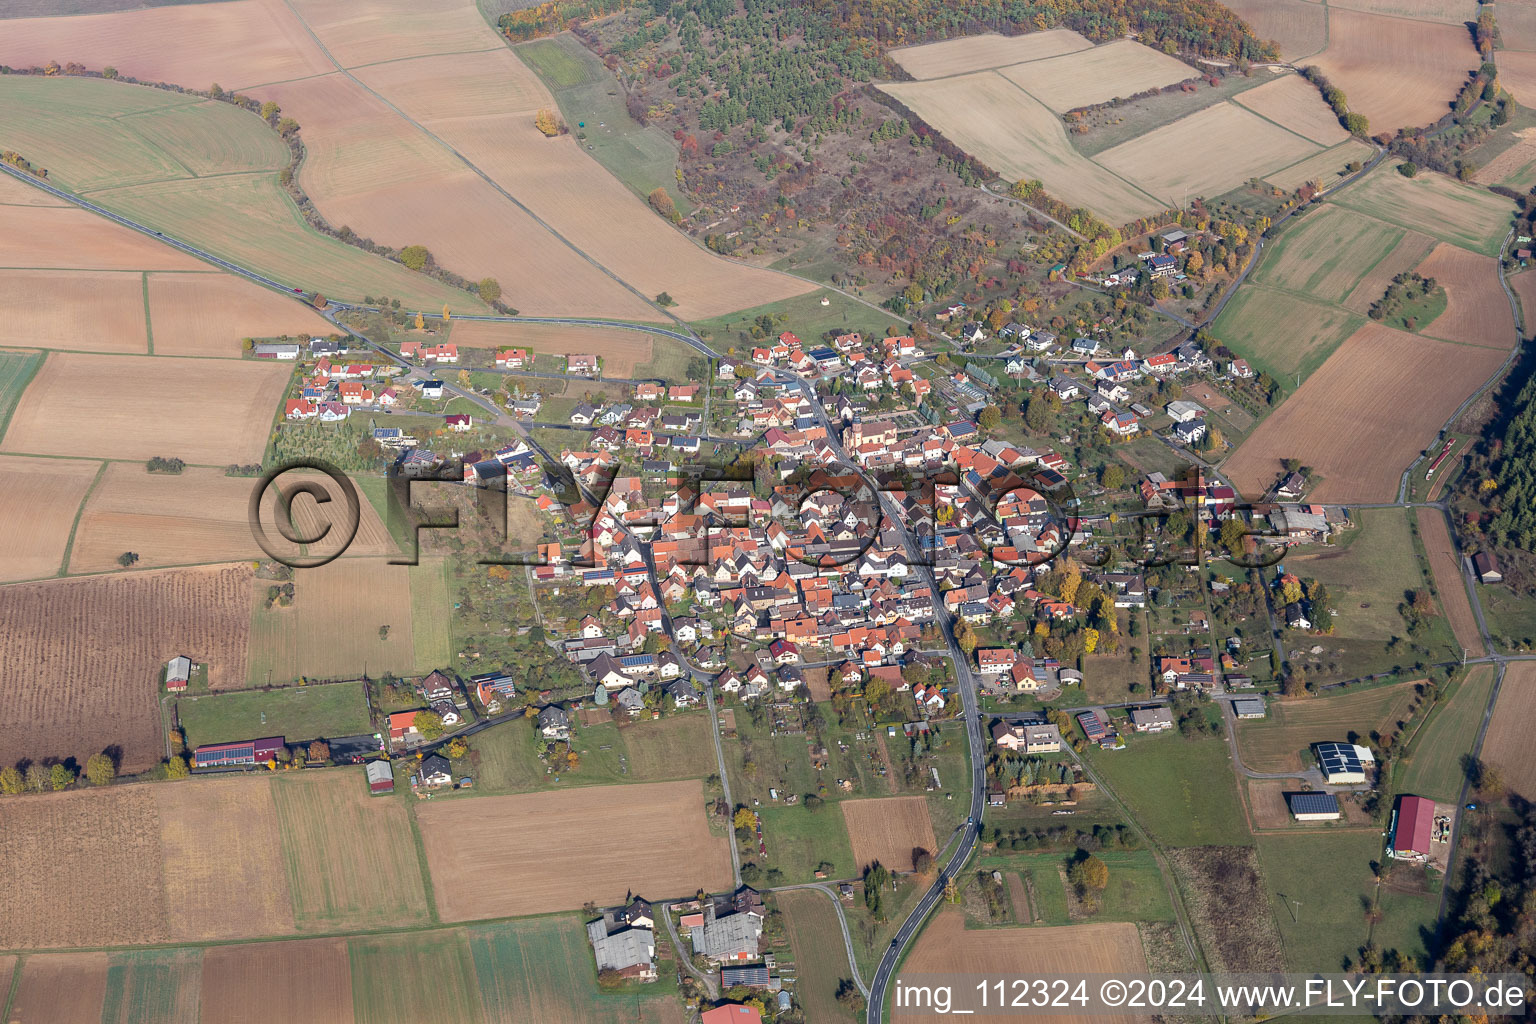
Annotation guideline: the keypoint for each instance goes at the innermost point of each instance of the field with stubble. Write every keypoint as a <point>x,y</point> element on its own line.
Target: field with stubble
<point>1395,71</point>
<point>84,310</point>
<point>131,407</point>
<point>1361,440</point>
<point>888,830</point>
<point>643,828</point>
<point>109,836</point>
<point>261,982</point>
<point>1085,77</point>
<point>1294,102</point>
<point>96,650</point>
<point>37,509</point>
<point>947,946</point>
<point>1298,27</point>
<point>209,314</point>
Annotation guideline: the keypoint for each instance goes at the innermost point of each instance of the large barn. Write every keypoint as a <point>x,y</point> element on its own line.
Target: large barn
<point>1412,826</point>
<point>242,752</point>
<point>1343,764</point>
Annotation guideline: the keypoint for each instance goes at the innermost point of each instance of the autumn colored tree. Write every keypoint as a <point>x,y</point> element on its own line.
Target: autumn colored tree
<point>429,724</point>
<point>100,770</point>
<point>60,776</point>
<point>319,750</point>
<point>546,122</point>
<point>661,201</point>
<point>420,321</point>
<point>11,781</point>
<point>176,768</point>
<point>744,819</point>
<point>416,257</point>
<point>489,289</point>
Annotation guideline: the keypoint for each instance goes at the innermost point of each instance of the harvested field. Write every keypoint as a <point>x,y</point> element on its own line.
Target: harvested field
<point>1087,77</point>
<point>1294,103</point>
<point>1445,564</point>
<point>238,44</point>
<point>1516,166</point>
<point>1205,154</point>
<point>15,192</point>
<point>51,236</point>
<point>405,979</point>
<point>366,31</point>
<point>91,311</point>
<point>1507,745</point>
<point>1267,799</point>
<point>1298,27</point>
<point>655,819</point>
<point>62,988</point>
<point>888,830</point>
<point>218,883</point>
<point>1361,438</point>
<point>260,982</point>
<point>1405,255</point>
<point>153,986</point>
<point>97,687</point>
<point>1477,311</point>
<point>37,511</point>
<point>1327,253</point>
<point>1314,331</point>
<point>1524,286</point>
<point>350,858</point>
<point>1517,73</point>
<point>196,516</point>
<point>947,946</point>
<point>1275,743</point>
<point>112,837</point>
<point>1517,25</point>
<point>1224,892</point>
<point>209,314</point>
<point>1325,168</point>
<point>623,352</point>
<point>572,193</point>
<point>331,631</point>
<point>1016,135</point>
<point>820,959</point>
<point>1450,12</point>
<point>1398,73</point>
<point>977,53</point>
<point>200,410</point>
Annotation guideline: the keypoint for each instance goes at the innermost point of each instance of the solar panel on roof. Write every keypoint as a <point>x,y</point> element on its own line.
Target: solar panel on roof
<point>1313,803</point>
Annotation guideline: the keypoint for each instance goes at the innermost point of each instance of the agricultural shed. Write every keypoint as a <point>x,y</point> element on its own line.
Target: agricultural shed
<point>1343,763</point>
<point>1411,827</point>
<point>1313,806</point>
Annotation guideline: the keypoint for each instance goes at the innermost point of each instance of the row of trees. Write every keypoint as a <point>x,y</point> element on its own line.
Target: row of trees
<point>40,777</point>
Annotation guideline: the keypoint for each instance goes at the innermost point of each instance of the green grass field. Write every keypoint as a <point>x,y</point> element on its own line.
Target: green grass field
<point>799,839</point>
<point>1250,326</point>
<point>820,961</point>
<point>1327,253</point>
<point>541,969</point>
<point>1511,616</point>
<point>1463,215</point>
<point>1369,574</point>
<point>406,979</point>
<point>678,746</point>
<point>201,171</point>
<point>1135,892</point>
<point>1182,791</point>
<point>16,370</point>
<point>804,315</point>
<point>153,987</point>
<point>296,712</point>
<point>592,104</point>
<point>1330,874</point>
<point>430,619</point>
<point>1433,766</point>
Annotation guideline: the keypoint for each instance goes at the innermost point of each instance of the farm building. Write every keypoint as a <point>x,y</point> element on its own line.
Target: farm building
<point>1412,824</point>
<point>243,752</point>
<point>1248,707</point>
<point>733,937</point>
<point>1313,806</point>
<point>1487,568</point>
<point>629,951</point>
<point>1343,763</point>
<point>733,1014</point>
<point>178,671</point>
<point>746,977</point>
<point>381,778</point>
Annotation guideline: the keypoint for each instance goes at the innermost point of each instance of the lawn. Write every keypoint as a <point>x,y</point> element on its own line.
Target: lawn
<point>799,839</point>
<point>1135,892</point>
<point>16,370</point>
<point>1321,912</point>
<point>820,961</point>
<point>804,315</point>
<point>592,105</point>
<point>541,969</point>
<point>1181,790</point>
<point>298,713</point>
<point>1433,765</point>
<point>408,978</point>
<point>504,759</point>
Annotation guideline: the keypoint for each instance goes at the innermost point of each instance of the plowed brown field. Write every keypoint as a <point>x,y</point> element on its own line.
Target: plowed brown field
<point>947,946</point>
<point>209,314</point>
<point>888,830</point>
<point>37,509</point>
<point>131,407</point>
<point>95,651</point>
<point>1364,415</point>
<point>50,236</point>
<point>661,845</point>
<point>1446,566</point>
<point>1477,311</point>
<point>1396,72</point>
<point>1508,744</point>
<point>63,988</point>
<point>257,983</point>
<point>88,311</point>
